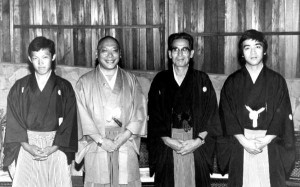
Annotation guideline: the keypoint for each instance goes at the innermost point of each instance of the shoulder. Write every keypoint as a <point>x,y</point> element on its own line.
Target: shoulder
<point>63,82</point>
<point>275,79</point>
<point>128,74</point>
<point>22,82</point>
<point>88,76</point>
<point>84,82</point>
<point>64,86</point>
<point>200,74</point>
<point>232,78</point>
<point>274,75</point>
<point>161,76</point>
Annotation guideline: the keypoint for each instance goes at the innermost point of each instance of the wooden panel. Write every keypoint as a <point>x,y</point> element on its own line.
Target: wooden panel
<point>141,19</point>
<point>6,40</point>
<point>127,58</point>
<point>197,12</point>
<point>73,25</point>
<point>1,32</point>
<point>149,36</point>
<point>230,44</point>
<point>21,16</point>
<point>291,42</point>
<point>156,44</point>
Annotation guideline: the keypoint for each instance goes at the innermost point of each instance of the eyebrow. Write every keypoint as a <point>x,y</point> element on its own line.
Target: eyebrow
<point>258,43</point>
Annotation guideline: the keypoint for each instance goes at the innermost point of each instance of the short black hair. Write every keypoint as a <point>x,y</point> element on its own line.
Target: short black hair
<point>39,43</point>
<point>181,35</point>
<point>252,35</point>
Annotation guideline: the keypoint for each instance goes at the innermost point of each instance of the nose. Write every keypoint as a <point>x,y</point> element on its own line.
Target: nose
<point>40,62</point>
<point>253,51</point>
<point>180,52</point>
<point>110,54</point>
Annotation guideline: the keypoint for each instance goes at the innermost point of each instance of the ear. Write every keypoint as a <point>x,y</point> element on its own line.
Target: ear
<point>54,57</point>
<point>192,54</point>
<point>29,58</point>
<point>170,54</point>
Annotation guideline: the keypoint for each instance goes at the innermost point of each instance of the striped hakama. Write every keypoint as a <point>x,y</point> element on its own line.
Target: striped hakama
<point>184,167</point>
<point>52,172</point>
<point>256,167</point>
<point>122,165</point>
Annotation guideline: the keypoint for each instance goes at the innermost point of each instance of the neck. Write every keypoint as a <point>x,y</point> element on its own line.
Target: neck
<point>180,71</point>
<point>109,73</point>
<point>42,77</point>
<point>254,69</point>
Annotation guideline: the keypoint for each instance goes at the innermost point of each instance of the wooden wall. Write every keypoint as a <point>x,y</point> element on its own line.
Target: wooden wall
<point>142,27</point>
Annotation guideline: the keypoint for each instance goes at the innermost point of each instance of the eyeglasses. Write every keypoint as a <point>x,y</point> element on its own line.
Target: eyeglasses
<point>184,50</point>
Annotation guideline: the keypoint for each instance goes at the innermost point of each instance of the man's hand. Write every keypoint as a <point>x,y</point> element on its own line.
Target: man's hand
<point>122,138</point>
<point>174,144</point>
<point>189,146</point>
<point>50,149</point>
<point>264,141</point>
<point>108,145</point>
<point>35,151</point>
<point>248,144</point>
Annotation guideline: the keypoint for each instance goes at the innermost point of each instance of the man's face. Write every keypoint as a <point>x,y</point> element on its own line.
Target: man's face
<point>181,53</point>
<point>253,52</point>
<point>108,54</point>
<point>41,61</point>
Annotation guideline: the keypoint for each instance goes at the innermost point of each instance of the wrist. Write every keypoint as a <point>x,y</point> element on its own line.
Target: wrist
<point>100,142</point>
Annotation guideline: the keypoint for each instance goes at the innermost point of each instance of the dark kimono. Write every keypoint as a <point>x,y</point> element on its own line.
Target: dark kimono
<point>30,109</point>
<point>269,91</point>
<point>195,98</point>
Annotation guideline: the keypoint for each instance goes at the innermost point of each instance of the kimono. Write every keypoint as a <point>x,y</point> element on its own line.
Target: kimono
<point>195,99</point>
<point>96,104</point>
<point>51,111</point>
<point>269,93</point>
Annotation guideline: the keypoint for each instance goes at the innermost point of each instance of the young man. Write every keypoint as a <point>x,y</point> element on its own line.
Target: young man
<point>256,112</point>
<point>112,117</point>
<point>41,132</point>
<point>183,120</point>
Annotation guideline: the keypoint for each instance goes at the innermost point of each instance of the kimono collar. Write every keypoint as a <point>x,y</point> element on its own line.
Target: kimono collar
<point>187,75</point>
<point>111,82</point>
<point>43,80</point>
<point>49,85</point>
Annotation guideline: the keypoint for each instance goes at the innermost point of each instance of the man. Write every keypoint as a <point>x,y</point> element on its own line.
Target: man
<point>256,112</point>
<point>183,120</point>
<point>112,117</point>
<point>41,127</point>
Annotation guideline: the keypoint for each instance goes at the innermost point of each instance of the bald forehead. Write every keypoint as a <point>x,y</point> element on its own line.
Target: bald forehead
<point>108,42</point>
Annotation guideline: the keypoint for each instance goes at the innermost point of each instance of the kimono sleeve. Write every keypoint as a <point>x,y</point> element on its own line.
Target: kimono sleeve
<point>66,134</point>
<point>282,125</point>
<point>138,120</point>
<point>227,110</point>
<point>86,124</point>
<point>210,120</point>
<point>16,131</point>
<point>157,126</point>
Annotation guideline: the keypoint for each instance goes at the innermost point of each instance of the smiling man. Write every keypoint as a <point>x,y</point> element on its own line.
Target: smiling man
<point>183,120</point>
<point>256,112</point>
<point>112,117</point>
<point>41,130</point>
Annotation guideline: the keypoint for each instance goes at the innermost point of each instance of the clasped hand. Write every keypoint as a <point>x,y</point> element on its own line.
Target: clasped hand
<point>38,153</point>
<point>183,147</point>
<point>113,145</point>
<point>255,146</point>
